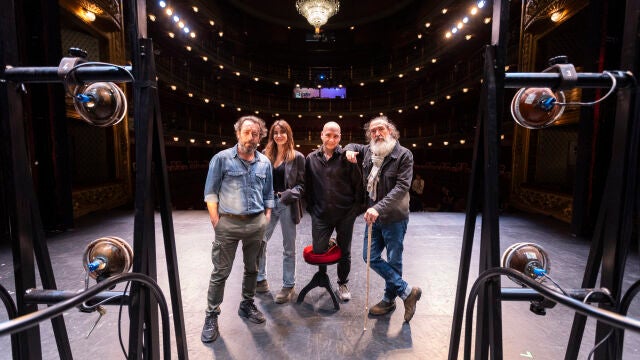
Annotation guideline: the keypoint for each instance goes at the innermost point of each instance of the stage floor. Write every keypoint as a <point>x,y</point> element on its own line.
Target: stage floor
<point>313,330</point>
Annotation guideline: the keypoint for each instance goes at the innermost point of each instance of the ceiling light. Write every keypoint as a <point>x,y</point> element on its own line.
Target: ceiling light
<point>193,141</point>
<point>193,35</point>
<point>169,11</point>
<point>415,107</point>
<point>204,58</point>
<point>481,4</point>
<point>317,12</point>
<point>256,79</point>
<point>400,75</point>
<point>176,18</point>
<point>211,22</point>
<point>361,115</point>
<point>299,116</point>
<point>448,34</point>
<point>432,102</point>
<point>221,66</point>
<point>557,15</point>
<point>172,35</point>
<point>297,145</point>
<point>381,80</point>
<point>188,48</point>
<point>174,88</point>
<point>487,20</point>
<point>448,97</point>
<point>462,141</point>
<point>361,84</point>
<point>473,11</point>
<point>277,114</point>
<point>152,17</point>
<point>237,73</point>
<point>186,30</point>
<point>352,27</point>
<point>221,105</point>
<point>427,25</point>
<point>445,143</point>
<point>220,33</point>
<point>454,30</point>
<point>429,144</point>
<point>468,37</point>
<point>464,90</point>
<point>502,137</point>
<point>239,109</point>
<point>206,100</point>
<point>195,9</point>
<point>319,116</point>
<point>419,36</point>
<point>465,20</point>
<point>340,116</point>
<point>162,4</point>
<point>89,15</point>
<point>417,68</point>
<point>434,60</point>
<point>399,111</point>
<point>257,112</point>
<point>175,138</point>
<point>180,24</point>
<point>224,143</point>
<point>190,94</point>
<point>459,25</point>
<point>340,86</point>
<point>444,11</point>
<point>414,145</point>
<point>276,82</point>
<point>208,142</point>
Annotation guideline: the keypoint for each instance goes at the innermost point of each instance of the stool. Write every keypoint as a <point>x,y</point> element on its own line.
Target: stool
<point>320,278</point>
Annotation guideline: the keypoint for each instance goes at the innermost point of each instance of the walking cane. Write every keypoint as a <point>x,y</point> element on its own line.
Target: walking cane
<point>366,301</point>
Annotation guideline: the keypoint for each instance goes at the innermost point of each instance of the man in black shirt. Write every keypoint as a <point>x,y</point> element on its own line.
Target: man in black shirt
<point>334,194</point>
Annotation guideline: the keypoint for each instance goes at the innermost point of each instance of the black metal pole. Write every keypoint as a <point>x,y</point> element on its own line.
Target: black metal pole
<point>46,74</point>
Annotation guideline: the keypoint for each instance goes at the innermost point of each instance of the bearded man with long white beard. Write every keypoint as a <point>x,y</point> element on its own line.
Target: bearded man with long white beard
<point>387,172</point>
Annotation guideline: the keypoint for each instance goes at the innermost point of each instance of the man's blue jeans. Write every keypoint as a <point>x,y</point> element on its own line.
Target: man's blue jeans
<point>390,236</point>
<point>281,213</point>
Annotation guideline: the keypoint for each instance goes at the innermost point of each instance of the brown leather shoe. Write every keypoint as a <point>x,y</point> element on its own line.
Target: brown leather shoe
<point>262,286</point>
<point>284,295</point>
<point>382,308</point>
<point>410,303</point>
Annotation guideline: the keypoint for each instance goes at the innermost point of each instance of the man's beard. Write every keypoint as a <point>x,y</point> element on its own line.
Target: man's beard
<point>383,148</point>
<point>247,148</point>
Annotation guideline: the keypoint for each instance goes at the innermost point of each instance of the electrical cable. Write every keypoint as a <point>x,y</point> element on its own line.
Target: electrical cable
<point>124,351</point>
<point>32,319</point>
<point>65,79</point>
<point>613,303</point>
<point>556,284</point>
<point>614,83</point>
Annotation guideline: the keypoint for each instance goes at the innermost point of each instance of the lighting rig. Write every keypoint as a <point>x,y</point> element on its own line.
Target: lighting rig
<point>99,102</point>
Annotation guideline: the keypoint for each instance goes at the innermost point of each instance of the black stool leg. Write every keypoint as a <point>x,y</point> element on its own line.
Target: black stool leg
<point>320,279</point>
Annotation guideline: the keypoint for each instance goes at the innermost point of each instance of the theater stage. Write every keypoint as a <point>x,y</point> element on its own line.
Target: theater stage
<point>313,330</point>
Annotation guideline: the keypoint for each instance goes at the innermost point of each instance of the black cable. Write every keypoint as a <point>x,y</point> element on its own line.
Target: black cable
<point>612,301</point>
<point>556,284</point>
<point>65,79</point>
<point>628,298</point>
<point>124,351</point>
<point>606,316</point>
<point>32,319</point>
<point>12,311</point>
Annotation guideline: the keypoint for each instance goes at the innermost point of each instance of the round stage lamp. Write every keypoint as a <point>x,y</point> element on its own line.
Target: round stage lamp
<point>100,104</point>
<point>528,258</point>
<point>537,108</point>
<point>107,256</point>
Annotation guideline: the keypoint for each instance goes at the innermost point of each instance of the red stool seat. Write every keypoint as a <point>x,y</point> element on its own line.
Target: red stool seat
<point>320,278</point>
<point>332,256</point>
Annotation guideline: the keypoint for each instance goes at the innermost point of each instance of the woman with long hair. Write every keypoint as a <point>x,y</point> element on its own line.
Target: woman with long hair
<point>288,187</point>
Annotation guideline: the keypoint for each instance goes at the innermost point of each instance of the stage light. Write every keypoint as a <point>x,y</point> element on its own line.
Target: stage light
<point>107,256</point>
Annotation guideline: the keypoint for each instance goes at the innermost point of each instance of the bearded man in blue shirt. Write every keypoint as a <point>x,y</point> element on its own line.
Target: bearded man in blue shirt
<point>239,197</point>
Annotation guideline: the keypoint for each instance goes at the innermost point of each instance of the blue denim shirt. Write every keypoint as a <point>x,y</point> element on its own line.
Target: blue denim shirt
<point>238,188</point>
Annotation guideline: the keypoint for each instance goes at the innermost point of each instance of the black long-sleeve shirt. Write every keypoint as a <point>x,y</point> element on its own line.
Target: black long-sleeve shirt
<point>333,186</point>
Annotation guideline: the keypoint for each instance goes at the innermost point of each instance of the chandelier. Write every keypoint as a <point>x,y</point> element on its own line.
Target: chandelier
<point>317,12</point>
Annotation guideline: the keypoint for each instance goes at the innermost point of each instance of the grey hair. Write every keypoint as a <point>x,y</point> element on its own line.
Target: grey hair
<point>263,126</point>
<point>390,126</point>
